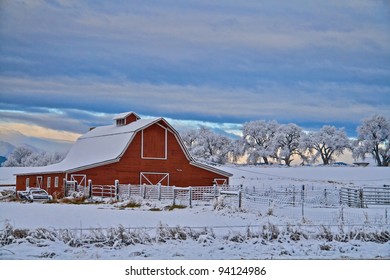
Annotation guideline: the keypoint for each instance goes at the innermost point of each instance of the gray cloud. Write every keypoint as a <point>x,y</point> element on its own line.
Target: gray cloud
<point>225,62</point>
<point>77,97</point>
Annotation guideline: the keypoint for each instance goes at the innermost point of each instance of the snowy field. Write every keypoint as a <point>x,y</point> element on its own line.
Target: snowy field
<point>212,230</point>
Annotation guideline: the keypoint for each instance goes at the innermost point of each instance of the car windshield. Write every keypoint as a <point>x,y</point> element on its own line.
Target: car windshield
<point>39,192</point>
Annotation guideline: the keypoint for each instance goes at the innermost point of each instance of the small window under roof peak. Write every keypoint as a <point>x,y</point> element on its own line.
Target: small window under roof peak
<point>126,118</point>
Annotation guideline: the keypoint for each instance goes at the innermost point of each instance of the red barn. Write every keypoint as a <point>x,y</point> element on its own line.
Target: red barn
<point>133,151</point>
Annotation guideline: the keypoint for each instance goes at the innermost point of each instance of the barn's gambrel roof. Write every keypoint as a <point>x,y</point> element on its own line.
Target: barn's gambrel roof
<point>106,144</point>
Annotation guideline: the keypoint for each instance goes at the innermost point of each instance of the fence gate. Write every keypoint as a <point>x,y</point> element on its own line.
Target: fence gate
<point>70,186</point>
<point>81,181</point>
<point>365,196</point>
<point>104,191</point>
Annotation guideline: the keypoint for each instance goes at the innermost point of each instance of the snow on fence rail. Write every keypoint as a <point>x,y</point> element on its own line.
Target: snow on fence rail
<point>363,197</point>
<point>295,196</point>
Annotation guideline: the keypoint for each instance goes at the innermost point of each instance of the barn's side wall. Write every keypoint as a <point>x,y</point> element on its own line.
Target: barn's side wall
<point>41,180</point>
<point>128,169</point>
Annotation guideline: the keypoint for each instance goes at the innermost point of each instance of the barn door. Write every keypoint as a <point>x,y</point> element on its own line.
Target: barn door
<point>80,179</point>
<point>39,182</point>
<point>154,178</point>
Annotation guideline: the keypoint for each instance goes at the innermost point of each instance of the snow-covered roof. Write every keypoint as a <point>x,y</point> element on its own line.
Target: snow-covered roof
<point>101,145</point>
<point>125,115</point>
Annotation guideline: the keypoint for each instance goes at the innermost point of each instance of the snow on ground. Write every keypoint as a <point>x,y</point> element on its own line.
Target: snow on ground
<point>309,175</point>
<point>96,231</point>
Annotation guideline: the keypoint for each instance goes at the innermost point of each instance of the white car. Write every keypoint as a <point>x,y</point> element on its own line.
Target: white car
<point>34,194</point>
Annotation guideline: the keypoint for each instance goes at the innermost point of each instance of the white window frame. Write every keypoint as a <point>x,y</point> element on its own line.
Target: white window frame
<point>27,182</point>
<point>56,179</point>
<point>48,183</point>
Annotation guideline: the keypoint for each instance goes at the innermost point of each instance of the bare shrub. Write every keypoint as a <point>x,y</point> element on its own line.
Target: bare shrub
<point>326,233</point>
<point>219,203</point>
<point>270,232</point>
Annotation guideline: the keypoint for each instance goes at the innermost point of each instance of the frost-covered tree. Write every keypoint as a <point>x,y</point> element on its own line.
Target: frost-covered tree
<point>327,143</point>
<point>374,139</point>
<point>207,145</point>
<point>23,156</point>
<point>287,140</point>
<point>258,140</point>
<point>17,157</point>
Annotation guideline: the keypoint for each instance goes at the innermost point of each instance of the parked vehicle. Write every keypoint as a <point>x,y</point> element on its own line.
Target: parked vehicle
<point>34,194</point>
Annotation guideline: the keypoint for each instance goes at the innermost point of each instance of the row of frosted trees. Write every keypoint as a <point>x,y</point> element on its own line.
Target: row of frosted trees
<point>269,141</point>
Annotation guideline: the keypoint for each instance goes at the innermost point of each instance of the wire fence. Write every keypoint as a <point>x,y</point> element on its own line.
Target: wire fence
<point>315,205</point>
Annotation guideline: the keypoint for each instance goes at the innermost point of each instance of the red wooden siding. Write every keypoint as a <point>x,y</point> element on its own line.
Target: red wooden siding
<point>131,118</point>
<point>154,142</point>
<point>52,189</point>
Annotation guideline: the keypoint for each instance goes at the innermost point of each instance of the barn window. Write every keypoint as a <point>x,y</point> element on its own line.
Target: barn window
<point>56,182</point>
<point>27,182</point>
<point>120,122</point>
<point>48,182</point>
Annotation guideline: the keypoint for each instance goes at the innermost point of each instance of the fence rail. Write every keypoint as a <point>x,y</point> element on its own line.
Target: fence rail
<point>103,190</point>
<point>294,196</point>
<point>365,196</point>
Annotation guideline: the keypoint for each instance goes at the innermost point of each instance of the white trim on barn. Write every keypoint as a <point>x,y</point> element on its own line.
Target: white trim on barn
<point>77,177</point>
<point>144,175</point>
<point>220,181</point>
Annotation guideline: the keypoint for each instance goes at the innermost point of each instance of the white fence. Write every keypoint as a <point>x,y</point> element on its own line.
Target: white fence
<point>363,197</point>
<point>294,196</point>
<point>178,195</point>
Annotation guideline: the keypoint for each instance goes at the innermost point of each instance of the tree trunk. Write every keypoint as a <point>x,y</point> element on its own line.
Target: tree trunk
<point>377,156</point>
<point>265,160</point>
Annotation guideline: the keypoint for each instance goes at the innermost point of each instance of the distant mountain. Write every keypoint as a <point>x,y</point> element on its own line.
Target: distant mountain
<point>10,139</point>
<point>6,148</point>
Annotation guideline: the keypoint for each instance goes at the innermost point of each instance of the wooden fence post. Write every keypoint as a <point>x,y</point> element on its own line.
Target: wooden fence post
<point>117,189</point>
<point>361,200</point>
<point>159,191</point>
<point>89,188</point>
<point>326,197</point>
<point>190,195</point>
<point>293,196</point>
<point>64,186</point>
<point>129,190</point>
<point>239,199</point>
<point>303,202</point>
<point>144,191</point>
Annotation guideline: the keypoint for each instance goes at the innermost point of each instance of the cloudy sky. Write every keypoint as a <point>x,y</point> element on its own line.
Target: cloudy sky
<point>67,65</point>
